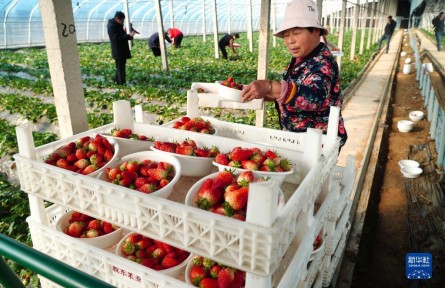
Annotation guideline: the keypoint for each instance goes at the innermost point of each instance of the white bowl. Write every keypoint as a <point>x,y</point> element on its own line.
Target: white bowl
<point>192,166</point>
<point>129,146</point>
<point>411,172</point>
<point>403,53</point>
<point>408,163</point>
<point>405,125</point>
<point>416,115</point>
<point>154,156</point>
<point>102,242</point>
<point>173,272</point>
<point>407,60</point>
<point>275,176</point>
<point>229,93</point>
<point>192,194</point>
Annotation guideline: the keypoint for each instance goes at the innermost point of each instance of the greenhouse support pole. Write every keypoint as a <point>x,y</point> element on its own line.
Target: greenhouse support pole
<point>249,25</point>
<point>342,32</point>
<point>263,53</point>
<point>215,29</point>
<point>161,35</point>
<point>273,12</point>
<point>371,25</point>
<point>127,20</point>
<point>354,30</point>
<point>204,29</point>
<point>63,59</point>
<point>364,16</point>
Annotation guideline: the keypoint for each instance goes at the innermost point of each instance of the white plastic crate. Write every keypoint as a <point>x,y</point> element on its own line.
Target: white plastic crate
<point>246,246</point>
<point>97,262</point>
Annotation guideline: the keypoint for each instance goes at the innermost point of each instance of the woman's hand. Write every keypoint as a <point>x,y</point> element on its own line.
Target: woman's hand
<point>255,90</point>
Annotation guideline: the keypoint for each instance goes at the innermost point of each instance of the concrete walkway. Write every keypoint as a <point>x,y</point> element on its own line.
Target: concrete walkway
<point>364,116</point>
<point>361,111</point>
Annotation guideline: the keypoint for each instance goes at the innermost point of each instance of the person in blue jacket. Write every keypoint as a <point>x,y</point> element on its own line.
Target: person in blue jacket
<point>120,49</point>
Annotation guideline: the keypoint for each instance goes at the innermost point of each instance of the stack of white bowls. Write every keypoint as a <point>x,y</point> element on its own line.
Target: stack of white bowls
<point>410,168</point>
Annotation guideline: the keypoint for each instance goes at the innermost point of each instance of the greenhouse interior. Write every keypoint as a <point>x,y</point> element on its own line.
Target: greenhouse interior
<point>284,143</point>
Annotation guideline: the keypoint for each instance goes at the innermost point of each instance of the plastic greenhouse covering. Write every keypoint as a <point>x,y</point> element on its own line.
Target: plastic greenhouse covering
<point>22,23</point>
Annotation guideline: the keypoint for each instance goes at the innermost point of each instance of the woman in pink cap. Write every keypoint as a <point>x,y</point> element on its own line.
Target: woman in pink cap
<point>311,83</point>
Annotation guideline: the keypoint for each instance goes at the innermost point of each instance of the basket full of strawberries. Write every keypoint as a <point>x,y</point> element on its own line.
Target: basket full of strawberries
<point>90,230</point>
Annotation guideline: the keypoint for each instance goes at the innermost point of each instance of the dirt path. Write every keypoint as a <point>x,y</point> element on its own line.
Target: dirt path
<point>403,214</point>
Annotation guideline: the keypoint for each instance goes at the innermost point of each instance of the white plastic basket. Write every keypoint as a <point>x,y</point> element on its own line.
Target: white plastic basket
<point>97,262</point>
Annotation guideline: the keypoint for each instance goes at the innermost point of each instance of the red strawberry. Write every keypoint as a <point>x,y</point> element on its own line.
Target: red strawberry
<point>113,174</point>
<point>165,166</point>
<point>96,159</point>
<point>234,164</point>
<point>272,156</point>
<point>245,178</point>
<point>89,169</point>
<point>107,227</point>
<point>221,210</point>
<point>168,147</point>
<point>237,199</point>
<point>81,154</point>
<point>134,238</point>
<point>169,262</point>
<point>95,224</point>
<point>208,195</point>
<point>157,174</point>
<point>62,163</point>
<point>75,229</point>
<point>185,150</point>
<point>92,146</point>
<point>108,155</point>
<point>71,158</point>
<point>132,166</point>
<point>189,142</point>
<point>128,248</point>
<point>239,216</point>
<point>214,151</point>
<point>222,159</point>
<point>82,163</point>
<point>239,154</point>
<point>140,181</point>
<point>258,158</point>
<point>163,183</point>
<point>65,151</point>
<point>142,253</point>
<point>159,253</point>
<point>286,165</point>
<point>149,262</point>
<point>92,233</point>
<point>144,243</point>
<point>117,133</point>
<point>238,280</point>
<point>197,273</point>
<point>208,263</point>
<point>266,168</point>
<point>202,152</point>
<point>225,277</point>
<point>223,178</point>
<point>53,157</point>
<point>209,283</point>
<point>249,165</point>
<point>126,132</point>
<point>197,260</point>
<point>147,188</point>
<point>185,119</point>
<point>214,270</point>
<point>82,141</point>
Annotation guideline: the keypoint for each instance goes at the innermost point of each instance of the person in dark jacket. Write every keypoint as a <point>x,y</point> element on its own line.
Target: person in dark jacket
<point>154,44</point>
<point>389,29</point>
<point>227,40</point>
<point>120,49</point>
<point>439,28</point>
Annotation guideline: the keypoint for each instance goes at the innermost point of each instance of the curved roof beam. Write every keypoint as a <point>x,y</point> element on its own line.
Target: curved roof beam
<point>6,20</point>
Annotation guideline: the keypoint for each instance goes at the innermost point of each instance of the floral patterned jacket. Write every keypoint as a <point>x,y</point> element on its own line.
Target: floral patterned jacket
<point>310,86</point>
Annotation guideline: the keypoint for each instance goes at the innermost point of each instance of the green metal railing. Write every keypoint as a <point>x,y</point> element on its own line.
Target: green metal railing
<point>41,264</point>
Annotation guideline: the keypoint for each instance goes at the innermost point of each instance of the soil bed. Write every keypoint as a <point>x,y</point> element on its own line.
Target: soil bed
<point>404,215</point>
